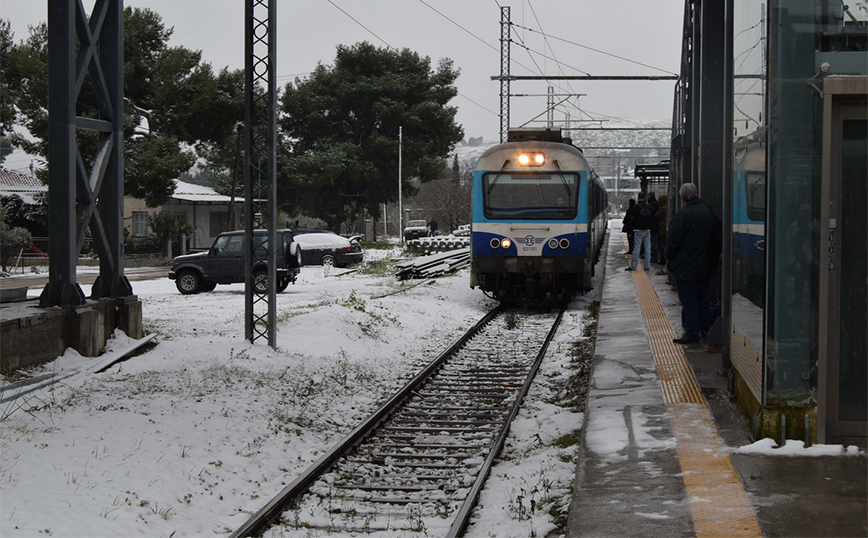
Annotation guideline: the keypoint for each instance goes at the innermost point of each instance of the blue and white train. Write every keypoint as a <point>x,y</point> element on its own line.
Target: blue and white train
<point>748,222</point>
<point>538,219</point>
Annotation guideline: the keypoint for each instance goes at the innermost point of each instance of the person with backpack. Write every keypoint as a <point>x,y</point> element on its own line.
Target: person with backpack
<point>688,251</point>
<point>643,221</point>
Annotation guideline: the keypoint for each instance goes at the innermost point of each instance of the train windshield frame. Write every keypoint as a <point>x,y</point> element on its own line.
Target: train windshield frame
<point>530,195</point>
<point>755,189</point>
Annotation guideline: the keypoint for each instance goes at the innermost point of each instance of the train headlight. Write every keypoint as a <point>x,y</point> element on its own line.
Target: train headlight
<point>553,243</point>
<point>565,244</point>
<point>531,159</point>
<point>495,243</point>
<point>506,243</point>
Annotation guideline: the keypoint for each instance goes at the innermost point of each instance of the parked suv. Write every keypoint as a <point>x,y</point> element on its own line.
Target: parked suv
<point>416,229</point>
<point>223,263</point>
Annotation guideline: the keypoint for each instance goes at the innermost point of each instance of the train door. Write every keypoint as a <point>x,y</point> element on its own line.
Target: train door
<point>843,335</point>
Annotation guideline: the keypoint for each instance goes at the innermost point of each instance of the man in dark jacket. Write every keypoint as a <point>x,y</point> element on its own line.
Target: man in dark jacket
<point>688,253</point>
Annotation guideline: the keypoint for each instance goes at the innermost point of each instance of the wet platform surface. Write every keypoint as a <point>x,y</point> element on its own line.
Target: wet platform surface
<point>656,461</point>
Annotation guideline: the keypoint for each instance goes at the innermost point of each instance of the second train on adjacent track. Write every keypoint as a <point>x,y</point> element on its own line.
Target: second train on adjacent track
<point>538,219</point>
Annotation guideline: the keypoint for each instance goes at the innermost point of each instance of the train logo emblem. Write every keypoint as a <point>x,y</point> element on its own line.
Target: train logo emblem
<point>529,240</point>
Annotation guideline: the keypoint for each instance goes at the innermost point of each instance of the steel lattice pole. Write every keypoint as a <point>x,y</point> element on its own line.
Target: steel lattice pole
<point>260,170</point>
<point>504,72</point>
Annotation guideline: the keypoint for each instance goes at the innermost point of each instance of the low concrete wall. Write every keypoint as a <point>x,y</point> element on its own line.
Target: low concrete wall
<point>40,335</point>
<point>143,260</point>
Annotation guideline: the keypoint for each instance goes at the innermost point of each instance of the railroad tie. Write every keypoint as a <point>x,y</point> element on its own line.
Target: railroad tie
<point>718,502</point>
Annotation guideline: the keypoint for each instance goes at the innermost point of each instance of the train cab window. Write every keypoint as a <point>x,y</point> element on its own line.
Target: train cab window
<point>755,191</point>
<point>537,196</point>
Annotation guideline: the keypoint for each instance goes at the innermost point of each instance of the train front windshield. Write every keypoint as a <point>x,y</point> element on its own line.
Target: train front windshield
<point>543,196</point>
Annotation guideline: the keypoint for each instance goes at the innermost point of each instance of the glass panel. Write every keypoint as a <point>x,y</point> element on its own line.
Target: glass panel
<point>749,188</point>
<point>234,244</point>
<point>853,227</point>
<point>794,180</point>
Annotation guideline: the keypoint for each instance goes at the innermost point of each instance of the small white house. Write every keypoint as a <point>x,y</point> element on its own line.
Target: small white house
<point>27,187</point>
<point>208,212</point>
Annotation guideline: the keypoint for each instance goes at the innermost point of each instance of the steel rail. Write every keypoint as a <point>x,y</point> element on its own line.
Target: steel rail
<point>459,525</point>
<point>262,519</point>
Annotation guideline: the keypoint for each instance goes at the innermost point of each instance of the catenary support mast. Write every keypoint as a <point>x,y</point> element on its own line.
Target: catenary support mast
<point>260,168</point>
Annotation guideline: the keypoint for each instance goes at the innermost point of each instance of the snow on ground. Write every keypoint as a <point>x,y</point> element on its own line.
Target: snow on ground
<point>792,447</point>
<point>193,436</point>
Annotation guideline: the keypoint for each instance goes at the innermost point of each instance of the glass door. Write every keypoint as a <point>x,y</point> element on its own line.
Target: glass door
<point>846,325</point>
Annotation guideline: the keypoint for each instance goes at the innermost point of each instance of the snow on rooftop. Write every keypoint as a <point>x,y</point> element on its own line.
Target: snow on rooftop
<point>189,192</point>
<point>24,186</point>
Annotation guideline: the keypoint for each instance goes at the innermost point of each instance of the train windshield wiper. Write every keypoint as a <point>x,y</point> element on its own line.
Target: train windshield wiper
<point>563,178</point>
<point>493,181</point>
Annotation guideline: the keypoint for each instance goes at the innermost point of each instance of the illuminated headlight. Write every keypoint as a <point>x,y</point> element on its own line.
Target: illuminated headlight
<point>506,243</point>
<point>531,159</point>
<point>565,243</point>
<point>553,243</point>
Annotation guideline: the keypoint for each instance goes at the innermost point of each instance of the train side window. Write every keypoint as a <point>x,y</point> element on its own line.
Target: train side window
<point>755,189</point>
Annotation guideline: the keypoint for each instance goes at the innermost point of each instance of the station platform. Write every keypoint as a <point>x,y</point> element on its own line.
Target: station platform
<point>659,454</point>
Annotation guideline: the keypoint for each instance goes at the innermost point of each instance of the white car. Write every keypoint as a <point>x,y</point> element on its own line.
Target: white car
<point>327,248</point>
<point>416,229</point>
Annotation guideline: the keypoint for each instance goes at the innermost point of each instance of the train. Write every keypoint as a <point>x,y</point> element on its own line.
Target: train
<point>748,221</point>
<point>538,219</point>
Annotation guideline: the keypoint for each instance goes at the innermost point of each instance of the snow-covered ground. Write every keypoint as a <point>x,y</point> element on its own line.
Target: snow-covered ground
<point>196,434</point>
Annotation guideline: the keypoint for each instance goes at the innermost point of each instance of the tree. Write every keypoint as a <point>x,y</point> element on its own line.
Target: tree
<point>173,103</point>
<point>12,240</point>
<point>7,108</point>
<point>6,148</point>
<point>445,200</point>
<point>165,225</point>
<point>20,215</point>
<point>343,121</point>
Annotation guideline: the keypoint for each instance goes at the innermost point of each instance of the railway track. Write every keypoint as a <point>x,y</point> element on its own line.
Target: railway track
<point>420,461</point>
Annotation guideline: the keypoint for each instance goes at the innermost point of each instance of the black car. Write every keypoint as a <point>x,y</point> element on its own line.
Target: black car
<point>223,263</point>
<point>328,248</point>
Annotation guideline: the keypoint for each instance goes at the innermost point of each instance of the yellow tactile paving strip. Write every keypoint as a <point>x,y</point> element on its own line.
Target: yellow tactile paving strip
<point>718,502</point>
<point>676,376</point>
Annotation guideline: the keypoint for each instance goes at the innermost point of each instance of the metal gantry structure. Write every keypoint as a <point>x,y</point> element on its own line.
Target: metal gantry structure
<point>505,78</point>
<point>260,168</point>
<point>85,191</point>
<point>504,72</point>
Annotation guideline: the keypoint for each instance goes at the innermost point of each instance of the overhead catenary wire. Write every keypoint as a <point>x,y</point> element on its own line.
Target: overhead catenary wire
<point>599,51</point>
<point>554,57</point>
<point>546,36</point>
<point>395,49</point>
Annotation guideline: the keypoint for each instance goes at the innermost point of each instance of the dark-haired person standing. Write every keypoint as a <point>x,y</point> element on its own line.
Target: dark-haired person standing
<point>688,255</point>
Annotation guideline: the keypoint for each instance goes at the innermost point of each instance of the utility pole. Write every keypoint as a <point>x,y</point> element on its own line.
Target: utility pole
<point>400,186</point>
<point>504,72</point>
<point>260,167</point>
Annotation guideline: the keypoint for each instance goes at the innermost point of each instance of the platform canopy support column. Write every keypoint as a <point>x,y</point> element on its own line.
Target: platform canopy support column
<point>85,191</point>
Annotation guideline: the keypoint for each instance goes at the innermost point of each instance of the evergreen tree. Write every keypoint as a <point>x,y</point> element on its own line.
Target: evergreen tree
<point>343,123</point>
<point>174,103</point>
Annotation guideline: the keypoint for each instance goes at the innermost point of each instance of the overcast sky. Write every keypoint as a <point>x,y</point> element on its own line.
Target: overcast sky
<point>467,31</point>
